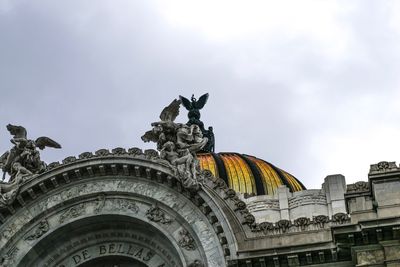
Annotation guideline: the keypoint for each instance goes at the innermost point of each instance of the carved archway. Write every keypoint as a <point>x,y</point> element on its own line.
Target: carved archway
<point>127,190</point>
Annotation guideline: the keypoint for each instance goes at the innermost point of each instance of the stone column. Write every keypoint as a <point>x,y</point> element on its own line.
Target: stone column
<point>283,195</point>
<point>335,187</point>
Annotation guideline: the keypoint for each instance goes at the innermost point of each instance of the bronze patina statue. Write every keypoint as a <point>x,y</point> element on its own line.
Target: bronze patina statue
<point>194,106</point>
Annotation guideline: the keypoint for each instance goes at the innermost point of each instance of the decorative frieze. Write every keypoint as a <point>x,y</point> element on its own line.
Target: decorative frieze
<point>42,228</point>
<point>73,212</point>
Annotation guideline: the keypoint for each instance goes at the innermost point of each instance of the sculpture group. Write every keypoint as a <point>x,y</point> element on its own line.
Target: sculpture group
<point>21,162</point>
<point>178,144</point>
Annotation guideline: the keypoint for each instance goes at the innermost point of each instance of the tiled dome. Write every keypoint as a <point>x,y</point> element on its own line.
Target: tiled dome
<point>248,174</point>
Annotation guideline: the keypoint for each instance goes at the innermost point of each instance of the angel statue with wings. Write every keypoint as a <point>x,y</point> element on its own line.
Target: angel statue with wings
<point>21,161</point>
<point>194,106</point>
<point>178,143</point>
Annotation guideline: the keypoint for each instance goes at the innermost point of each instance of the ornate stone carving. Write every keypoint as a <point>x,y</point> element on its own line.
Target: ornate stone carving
<point>53,165</point>
<point>249,218</point>
<point>340,218</point>
<point>230,193</point>
<point>69,159</point>
<point>151,154</point>
<point>196,263</point>
<point>100,202</point>
<point>360,186</point>
<point>9,259</point>
<point>302,222</point>
<point>73,212</point>
<point>219,183</point>
<point>102,152</point>
<point>265,227</point>
<point>186,241</point>
<point>321,220</point>
<point>21,162</point>
<point>178,144</point>
<point>85,155</point>
<point>383,166</point>
<point>283,225</point>
<point>40,230</point>
<point>135,151</point>
<point>125,205</point>
<point>156,214</point>
<point>119,151</point>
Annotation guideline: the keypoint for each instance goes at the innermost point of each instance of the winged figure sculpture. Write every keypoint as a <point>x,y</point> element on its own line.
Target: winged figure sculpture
<point>24,152</point>
<point>165,126</point>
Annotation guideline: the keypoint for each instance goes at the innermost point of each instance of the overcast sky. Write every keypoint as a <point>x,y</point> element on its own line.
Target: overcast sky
<point>310,86</point>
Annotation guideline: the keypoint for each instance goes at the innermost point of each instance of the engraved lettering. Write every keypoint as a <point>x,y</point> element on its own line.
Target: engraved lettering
<point>103,249</point>
<point>85,254</point>
<point>148,256</point>
<point>139,253</point>
<point>120,249</point>
<point>77,259</point>
<point>111,248</point>
<point>130,250</point>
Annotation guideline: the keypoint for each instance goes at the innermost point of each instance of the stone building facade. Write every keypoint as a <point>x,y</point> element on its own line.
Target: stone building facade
<point>173,208</point>
<point>126,208</point>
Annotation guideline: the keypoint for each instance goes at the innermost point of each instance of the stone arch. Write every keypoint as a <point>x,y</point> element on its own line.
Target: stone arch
<point>97,183</point>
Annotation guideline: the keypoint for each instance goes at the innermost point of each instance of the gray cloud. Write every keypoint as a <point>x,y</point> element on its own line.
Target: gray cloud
<point>94,75</point>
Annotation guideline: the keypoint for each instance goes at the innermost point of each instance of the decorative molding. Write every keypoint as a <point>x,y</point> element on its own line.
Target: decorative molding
<point>309,198</point>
